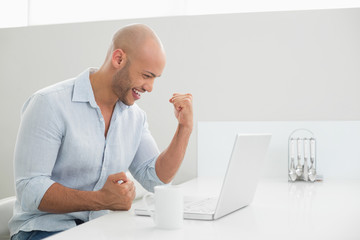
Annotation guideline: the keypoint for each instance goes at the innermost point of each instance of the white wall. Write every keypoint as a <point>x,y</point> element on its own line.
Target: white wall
<point>300,65</point>
<point>337,151</point>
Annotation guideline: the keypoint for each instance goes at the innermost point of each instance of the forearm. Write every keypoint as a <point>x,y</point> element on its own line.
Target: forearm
<point>170,160</point>
<point>60,199</point>
<point>117,194</point>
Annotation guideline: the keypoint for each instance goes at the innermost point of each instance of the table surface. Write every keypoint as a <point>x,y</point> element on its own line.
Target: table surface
<point>280,209</point>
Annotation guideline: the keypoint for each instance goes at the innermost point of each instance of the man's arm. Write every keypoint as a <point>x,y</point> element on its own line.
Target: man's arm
<point>113,196</point>
<point>170,160</point>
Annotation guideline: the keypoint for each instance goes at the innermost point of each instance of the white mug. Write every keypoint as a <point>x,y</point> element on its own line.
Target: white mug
<point>169,206</point>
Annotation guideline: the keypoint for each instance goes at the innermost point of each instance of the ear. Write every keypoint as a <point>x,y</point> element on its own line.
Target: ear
<point>118,59</point>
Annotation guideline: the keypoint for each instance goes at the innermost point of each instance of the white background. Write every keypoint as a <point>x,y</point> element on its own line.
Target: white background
<point>337,146</point>
<point>17,13</point>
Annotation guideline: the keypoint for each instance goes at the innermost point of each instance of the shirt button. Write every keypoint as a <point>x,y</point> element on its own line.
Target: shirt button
<point>101,119</point>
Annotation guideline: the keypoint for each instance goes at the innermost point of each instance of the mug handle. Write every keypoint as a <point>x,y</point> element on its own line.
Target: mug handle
<point>151,213</point>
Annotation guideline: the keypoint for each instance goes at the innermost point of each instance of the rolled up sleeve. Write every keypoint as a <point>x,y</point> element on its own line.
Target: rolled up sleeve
<point>32,191</point>
<point>37,146</point>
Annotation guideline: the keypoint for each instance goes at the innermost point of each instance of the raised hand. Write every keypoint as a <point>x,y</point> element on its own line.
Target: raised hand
<point>183,109</point>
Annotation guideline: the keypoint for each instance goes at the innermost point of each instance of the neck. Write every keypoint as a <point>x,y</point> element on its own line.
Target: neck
<point>101,85</point>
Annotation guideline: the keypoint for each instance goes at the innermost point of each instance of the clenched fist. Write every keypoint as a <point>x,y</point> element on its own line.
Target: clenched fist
<point>116,195</point>
<point>183,109</point>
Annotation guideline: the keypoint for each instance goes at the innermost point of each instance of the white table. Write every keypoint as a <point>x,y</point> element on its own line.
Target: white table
<point>280,210</point>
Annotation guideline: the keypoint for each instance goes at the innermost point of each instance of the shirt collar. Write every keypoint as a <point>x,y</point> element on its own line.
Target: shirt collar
<point>83,91</point>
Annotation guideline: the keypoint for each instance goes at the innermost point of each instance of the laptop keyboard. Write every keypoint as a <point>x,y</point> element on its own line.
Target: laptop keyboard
<point>206,205</point>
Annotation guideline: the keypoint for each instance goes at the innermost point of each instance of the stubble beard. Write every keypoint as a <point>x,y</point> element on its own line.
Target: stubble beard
<point>122,85</point>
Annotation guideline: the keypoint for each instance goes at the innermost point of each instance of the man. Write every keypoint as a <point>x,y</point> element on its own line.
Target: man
<point>78,137</point>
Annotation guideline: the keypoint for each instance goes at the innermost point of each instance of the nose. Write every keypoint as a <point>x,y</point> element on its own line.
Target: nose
<point>148,86</point>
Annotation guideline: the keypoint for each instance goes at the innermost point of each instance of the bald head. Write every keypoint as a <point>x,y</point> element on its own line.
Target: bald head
<point>134,40</point>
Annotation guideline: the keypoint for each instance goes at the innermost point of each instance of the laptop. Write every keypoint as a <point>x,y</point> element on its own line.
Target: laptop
<point>239,184</point>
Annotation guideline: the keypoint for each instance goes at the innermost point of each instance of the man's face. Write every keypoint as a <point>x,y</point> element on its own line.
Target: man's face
<point>137,77</point>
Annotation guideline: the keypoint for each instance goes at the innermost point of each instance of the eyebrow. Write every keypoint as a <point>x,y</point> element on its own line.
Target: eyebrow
<point>152,74</point>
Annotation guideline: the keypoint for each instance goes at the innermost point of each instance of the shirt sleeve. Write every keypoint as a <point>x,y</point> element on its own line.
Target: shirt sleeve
<point>37,146</point>
<point>143,165</point>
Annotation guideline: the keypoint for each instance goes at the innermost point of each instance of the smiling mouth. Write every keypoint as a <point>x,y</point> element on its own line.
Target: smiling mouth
<point>137,92</point>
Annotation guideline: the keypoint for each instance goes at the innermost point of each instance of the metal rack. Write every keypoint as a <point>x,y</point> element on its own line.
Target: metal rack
<point>302,160</point>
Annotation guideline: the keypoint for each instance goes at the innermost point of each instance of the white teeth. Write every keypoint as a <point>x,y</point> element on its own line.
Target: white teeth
<point>137,92</point>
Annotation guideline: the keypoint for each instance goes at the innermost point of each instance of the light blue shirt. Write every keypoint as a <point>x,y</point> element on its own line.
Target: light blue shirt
<point>61,139</point>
